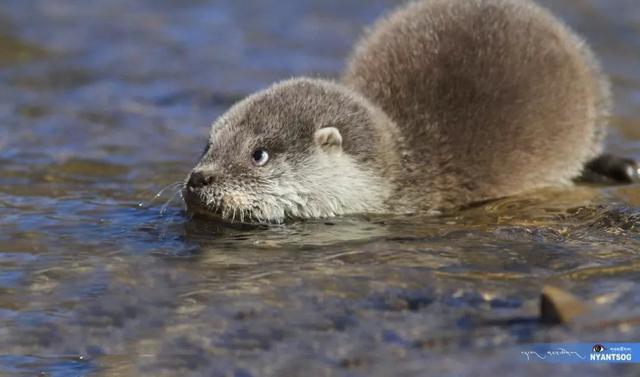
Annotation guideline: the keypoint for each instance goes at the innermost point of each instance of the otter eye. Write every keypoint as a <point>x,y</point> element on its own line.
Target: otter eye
<point>206,149</point>
<point>260,157</point>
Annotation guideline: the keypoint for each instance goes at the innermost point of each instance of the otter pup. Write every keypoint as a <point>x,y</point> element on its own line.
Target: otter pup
<point>443,103</point>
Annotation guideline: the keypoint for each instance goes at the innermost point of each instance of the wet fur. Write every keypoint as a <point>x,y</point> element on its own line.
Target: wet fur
<point>443,103</point>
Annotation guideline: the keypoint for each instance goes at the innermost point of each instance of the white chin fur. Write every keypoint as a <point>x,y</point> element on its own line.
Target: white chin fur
<point>325,185</point>
<point>328,185</point>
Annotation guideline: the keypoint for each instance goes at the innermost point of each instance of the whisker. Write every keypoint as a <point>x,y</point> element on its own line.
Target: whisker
<point>172,186</point>
<point>174,215</point>
<point>163,209</point>
<point>184,204</point>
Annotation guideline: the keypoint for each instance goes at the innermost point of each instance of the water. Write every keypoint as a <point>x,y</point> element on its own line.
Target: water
<point>102,104</point>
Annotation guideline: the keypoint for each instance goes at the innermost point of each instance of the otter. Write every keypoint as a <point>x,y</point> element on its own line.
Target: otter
<point>443,103</point>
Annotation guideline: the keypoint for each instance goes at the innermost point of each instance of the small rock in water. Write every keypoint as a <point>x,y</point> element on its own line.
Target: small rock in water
<point>560,307</point>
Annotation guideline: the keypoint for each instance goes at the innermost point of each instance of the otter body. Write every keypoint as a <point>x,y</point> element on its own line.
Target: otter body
<point>493,97</point>
<point>443,103</point>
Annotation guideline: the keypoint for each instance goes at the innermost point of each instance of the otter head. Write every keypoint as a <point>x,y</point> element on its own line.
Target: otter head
<point>301,149</point>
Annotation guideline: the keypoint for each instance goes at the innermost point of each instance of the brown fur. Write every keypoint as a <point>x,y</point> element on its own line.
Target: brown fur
<point>443,103</point>
<point>495,97</point>
<point>306,176</point>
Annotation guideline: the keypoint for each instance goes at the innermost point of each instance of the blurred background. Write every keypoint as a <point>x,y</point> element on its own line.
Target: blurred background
<point>104,103</point>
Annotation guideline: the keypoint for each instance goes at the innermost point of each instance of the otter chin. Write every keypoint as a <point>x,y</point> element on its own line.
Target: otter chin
<point>443,103</point>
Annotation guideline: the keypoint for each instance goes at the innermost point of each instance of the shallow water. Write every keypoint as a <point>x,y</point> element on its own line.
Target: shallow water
<point>102,104</point>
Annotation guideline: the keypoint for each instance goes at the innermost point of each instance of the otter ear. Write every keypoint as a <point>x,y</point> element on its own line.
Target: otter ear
<point>328,138</point>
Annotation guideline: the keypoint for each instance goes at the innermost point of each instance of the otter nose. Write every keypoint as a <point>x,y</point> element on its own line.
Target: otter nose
<point>199,180</point>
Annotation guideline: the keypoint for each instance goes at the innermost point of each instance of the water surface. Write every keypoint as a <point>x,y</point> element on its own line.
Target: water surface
<point>102,104</point>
